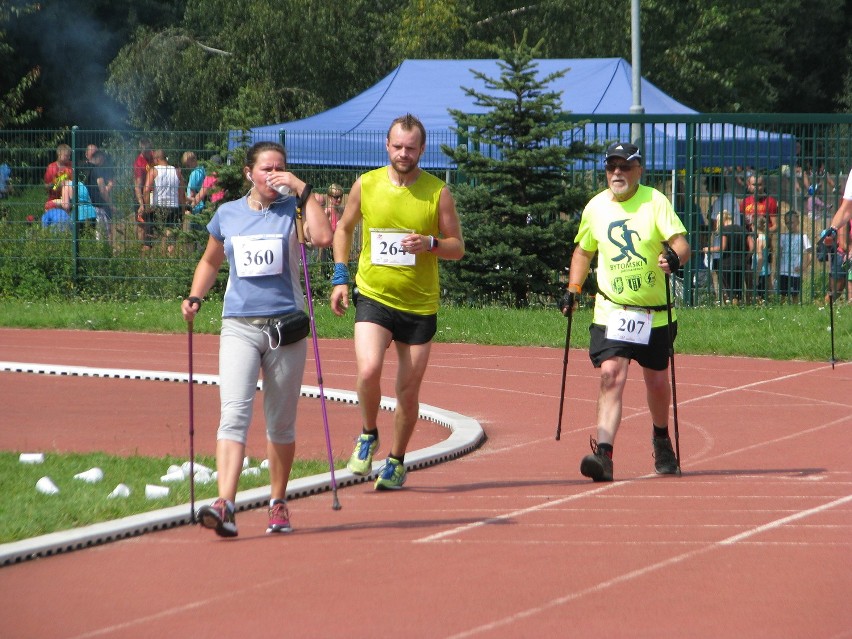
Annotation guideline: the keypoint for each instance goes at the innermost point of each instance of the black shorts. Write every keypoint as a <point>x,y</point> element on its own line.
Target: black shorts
<point>406,328</point>
<point>653,355</point>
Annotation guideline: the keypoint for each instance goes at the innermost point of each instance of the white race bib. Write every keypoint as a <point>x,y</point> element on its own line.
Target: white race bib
<point>256,255</point>
<point>629,326</point>
<point>385,247</point>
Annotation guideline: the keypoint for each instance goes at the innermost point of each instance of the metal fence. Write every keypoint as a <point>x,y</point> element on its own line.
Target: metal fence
<point>697,160</point>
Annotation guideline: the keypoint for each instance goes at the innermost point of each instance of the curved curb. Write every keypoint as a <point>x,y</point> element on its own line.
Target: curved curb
<point>466,434</point>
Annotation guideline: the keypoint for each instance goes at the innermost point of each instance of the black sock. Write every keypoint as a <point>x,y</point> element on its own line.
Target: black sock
<point>374,432</point>
<point>606,449</point>
<point>661,433</point>
<point>398,458</point>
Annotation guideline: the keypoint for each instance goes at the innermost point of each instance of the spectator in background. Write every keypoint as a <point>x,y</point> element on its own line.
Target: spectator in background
<point>335,204</point>
<point>100,184</point>
<point>723,200</point>
<point>141,167</point>
<point>58,172</point>
<point>734,249</point>
<point>794,253</point>
<point>209,191</point>
<point>758,204</point>
<point>61,213</point>
<point>194,183</point>
<point>88,164</point>
<point>711,254</point>
<point>164,189</point>
<point>760,260</point>
<point>194,187</point>
<point>5,176</point>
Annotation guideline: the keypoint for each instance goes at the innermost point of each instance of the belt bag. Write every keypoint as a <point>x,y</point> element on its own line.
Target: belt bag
<point>285,329</point>
<point>292,327</point>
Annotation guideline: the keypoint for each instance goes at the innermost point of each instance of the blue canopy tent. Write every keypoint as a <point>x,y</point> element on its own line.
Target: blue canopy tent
<point>353,133</point>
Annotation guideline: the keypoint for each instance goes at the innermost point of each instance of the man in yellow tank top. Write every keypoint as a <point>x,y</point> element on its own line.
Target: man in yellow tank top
<point>409,221</point>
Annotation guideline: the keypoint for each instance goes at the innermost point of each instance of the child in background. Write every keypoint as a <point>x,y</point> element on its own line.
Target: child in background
<point>795,251</point>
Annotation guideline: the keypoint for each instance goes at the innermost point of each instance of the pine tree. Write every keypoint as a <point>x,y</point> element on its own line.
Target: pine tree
<point>518,210</point>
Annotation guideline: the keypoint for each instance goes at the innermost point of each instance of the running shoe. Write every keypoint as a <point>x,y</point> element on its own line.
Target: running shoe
<point>598,465</point>
<point>279,518</point>
<point>391,476</point>
<point>219,516</point>
<point>665,460</point>
<point>361,462</point>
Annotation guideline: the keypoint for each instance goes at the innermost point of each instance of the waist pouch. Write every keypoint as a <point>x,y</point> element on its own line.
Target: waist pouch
<point>285,329</point>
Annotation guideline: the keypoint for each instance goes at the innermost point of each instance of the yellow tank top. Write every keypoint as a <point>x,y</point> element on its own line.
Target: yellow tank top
<point>387,208</point>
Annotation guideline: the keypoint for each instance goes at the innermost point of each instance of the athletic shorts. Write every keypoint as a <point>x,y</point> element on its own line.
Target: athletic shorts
<point>406,328</point>
<point>653,355</point>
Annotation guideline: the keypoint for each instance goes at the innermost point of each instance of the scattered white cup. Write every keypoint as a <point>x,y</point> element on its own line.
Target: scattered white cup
<point>253,472</point>
<point>264,464</point>
<point>122,490</point>
<point>173,475</point>
<point>46,486</point>
<point>91,476</point>
<point>203,477</point>
<point>196,467</point>
<point>31,458</point>
<point>156,492</point>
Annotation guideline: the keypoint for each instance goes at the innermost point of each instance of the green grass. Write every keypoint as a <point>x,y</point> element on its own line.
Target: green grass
<point>25,512</point>
<point>777,332</point>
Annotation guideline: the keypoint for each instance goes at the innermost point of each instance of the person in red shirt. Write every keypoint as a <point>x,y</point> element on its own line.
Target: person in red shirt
<point>143,163</point>
<point>759,204</point>
<point>58,172</point>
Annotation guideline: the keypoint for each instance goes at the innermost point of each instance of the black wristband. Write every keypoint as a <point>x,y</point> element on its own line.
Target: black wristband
<point>305,194</point>
<point>194,300</point>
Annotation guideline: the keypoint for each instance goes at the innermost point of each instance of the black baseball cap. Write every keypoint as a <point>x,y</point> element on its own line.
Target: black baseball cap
<point>623,150</point>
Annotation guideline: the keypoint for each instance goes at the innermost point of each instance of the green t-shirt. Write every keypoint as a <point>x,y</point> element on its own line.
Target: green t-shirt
<point>628,237</point>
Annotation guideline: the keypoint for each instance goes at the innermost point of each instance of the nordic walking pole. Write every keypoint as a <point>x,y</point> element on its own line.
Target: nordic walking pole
<point>672,365</point>
<point>300,231</point>
<point>564,371</point>
<point>831,324</point>
<point>191,430</point>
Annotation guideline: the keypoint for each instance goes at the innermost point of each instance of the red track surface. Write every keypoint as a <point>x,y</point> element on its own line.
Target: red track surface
<point>509,541</point>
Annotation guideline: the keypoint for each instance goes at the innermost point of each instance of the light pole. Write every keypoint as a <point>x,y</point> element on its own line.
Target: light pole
<point>636,129</point>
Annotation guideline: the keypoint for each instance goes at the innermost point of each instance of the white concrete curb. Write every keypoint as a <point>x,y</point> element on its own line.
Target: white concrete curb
<point>466,434</point>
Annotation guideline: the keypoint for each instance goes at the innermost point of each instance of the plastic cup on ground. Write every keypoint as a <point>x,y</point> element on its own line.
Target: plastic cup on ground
<point>122,490</point>
<point>91,476</point>
<point>153,491</point>
<point>46,486</point>
<point>174,475</point>
<point>31,458</point>
<point>251,472</point>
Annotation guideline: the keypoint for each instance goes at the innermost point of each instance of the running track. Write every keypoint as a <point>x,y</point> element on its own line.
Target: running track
<point>509,541</point>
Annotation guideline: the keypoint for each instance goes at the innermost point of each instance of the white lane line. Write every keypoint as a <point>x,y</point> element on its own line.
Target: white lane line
<point>641,572</point>
<point>587,493</point>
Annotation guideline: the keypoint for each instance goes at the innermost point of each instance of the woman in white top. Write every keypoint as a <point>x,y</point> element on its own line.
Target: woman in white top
<point>164,191</point>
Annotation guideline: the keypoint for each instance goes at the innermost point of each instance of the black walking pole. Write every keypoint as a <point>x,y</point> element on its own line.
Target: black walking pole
<point>831,324</point>
<point>564,371</point>
<point>672,362</point>
<point>300,231</point>
<point>191,431</point>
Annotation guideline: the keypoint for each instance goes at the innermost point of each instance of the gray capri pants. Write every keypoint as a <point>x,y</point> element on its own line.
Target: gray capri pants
<point>244,351</point>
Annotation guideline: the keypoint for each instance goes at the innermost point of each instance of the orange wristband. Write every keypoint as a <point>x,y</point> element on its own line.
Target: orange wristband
<point>575,288</point>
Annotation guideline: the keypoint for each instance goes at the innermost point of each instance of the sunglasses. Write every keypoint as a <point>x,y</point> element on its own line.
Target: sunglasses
<point>625,168</point>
